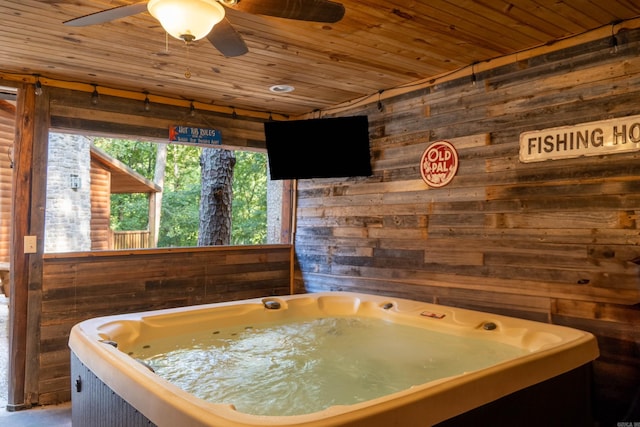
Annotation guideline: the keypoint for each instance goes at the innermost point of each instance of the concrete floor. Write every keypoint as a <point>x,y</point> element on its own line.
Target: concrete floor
<point>41,416</point>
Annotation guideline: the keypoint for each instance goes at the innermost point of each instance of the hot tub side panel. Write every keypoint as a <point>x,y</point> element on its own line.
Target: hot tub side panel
<point>95,404</point>
<point>564,400</point>
<point>558,402</point>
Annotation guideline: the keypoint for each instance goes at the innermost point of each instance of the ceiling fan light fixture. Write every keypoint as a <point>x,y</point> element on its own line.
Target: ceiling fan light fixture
<point>186,20</point>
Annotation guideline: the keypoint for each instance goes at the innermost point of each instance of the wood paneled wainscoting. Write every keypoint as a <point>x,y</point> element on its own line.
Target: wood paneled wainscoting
<point>80,286</point>
<point>554,241</point>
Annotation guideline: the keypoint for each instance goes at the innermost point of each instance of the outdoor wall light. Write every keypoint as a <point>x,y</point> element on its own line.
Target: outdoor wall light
<point>147,103</point>
<point>95,96</point>
<point>474,78</point>
<point>613,41</point>
<point>38,89</point>
<point>613,44</point>
<point>74,181</point>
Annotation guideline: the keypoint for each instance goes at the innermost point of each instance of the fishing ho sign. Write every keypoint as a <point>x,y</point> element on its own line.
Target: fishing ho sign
<point>439,164</point>
<point>587,139</point>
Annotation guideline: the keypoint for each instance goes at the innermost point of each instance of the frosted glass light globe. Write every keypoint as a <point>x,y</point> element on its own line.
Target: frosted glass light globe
<point>186,20</point>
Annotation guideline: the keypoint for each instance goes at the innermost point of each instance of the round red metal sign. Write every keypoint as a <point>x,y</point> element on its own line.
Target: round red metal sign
<point>439,164</point>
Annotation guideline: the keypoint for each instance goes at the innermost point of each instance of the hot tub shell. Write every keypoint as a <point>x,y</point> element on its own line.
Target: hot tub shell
<point>111,388</point>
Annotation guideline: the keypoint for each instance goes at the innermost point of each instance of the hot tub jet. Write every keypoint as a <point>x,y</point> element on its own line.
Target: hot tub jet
<point>272,305</point>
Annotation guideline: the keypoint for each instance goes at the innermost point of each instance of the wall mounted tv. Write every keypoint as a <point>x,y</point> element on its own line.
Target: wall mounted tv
<point>336,147</point>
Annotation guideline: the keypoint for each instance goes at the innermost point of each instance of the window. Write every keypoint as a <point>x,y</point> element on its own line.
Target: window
<point>103,194</point>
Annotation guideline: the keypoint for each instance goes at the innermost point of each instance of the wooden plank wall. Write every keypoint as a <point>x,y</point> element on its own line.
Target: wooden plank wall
<point>72,111</point>
<point>86,285</point>
<point>557,241</point>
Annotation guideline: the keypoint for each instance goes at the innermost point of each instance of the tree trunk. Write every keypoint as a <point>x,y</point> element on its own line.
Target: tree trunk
<point>216,196</point>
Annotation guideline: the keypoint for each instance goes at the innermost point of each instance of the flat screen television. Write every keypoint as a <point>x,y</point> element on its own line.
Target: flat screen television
<point>336,147</point>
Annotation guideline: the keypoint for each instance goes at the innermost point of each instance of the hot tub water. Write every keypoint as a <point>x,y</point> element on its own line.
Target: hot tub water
<point>305,366</point>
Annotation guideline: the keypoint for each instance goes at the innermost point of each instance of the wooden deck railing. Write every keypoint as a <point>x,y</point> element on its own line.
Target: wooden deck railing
<point>138,239</point>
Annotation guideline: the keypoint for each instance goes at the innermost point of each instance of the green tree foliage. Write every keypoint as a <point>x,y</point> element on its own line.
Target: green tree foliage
<point>138,155</point>
<point>183,167</point>
<point>129,212</point>
<point>249,217</point>
<point>179,223</point>
<point>181,200</point>
<point>180,203</point>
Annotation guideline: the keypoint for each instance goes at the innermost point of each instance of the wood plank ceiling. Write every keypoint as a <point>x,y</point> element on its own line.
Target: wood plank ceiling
<point>377,46</point>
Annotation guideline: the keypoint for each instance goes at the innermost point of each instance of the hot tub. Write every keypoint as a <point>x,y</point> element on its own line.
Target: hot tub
<point>541,375</point>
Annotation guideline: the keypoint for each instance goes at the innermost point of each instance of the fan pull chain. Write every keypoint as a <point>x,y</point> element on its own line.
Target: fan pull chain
<point>187,74</point>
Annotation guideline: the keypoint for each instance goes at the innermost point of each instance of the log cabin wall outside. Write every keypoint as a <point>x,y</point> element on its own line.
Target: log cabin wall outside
<point>555,241</point>
<point>7,133</point>
<point>101,234</point>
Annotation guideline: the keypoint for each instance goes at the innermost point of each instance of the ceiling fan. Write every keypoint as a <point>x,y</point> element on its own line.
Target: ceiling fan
<point>191,20</point>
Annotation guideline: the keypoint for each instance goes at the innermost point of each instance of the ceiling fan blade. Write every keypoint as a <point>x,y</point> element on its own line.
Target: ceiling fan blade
<point>227,40</point>
<point>302,10</point>
<point>108,15</point>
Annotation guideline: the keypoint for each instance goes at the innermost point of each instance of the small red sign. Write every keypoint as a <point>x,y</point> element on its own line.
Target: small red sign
<point>439,164</point>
